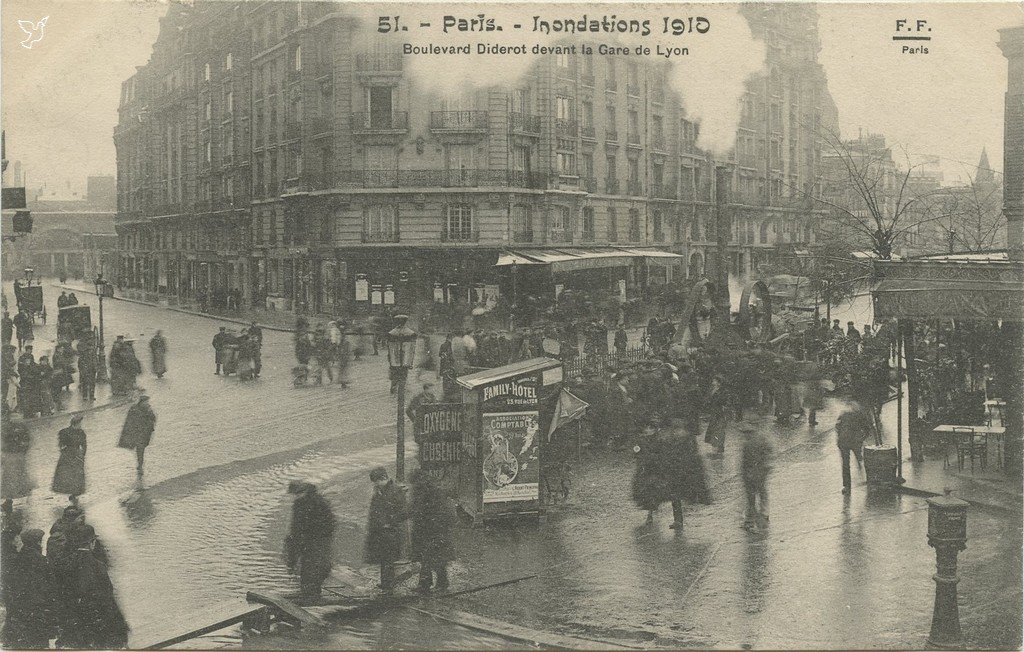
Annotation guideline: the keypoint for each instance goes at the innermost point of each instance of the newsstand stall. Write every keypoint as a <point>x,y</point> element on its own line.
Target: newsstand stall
<point>508,412</point>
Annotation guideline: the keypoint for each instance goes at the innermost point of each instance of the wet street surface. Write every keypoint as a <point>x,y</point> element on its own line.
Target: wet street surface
<point>831,572</point>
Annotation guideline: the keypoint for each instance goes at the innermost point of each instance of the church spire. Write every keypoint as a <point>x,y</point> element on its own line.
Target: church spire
<point>984,175</point>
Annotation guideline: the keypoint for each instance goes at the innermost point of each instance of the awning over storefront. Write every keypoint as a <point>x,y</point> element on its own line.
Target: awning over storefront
<point>949,289</point>
<point>564,260</point>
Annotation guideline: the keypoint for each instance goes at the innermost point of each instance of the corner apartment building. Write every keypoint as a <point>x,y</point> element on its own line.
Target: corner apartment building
<point>262,149</point>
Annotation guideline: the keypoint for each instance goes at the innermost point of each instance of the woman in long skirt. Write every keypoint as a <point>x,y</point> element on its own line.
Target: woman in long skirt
<point>69,478</point>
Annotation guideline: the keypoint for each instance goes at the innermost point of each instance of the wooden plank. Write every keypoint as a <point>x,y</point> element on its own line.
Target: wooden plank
<point>285,607</point>
<point>167,632</point>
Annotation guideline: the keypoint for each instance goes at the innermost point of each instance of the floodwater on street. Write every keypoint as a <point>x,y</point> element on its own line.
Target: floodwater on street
<point>833,572</point>
<point>216,473</point>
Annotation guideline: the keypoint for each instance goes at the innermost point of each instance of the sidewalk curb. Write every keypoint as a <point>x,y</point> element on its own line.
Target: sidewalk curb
<point>194,313</point>
<point>923,493</point>
<point>67,414</point>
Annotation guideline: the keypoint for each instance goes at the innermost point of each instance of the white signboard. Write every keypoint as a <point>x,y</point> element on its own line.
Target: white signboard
<point>362,289</point>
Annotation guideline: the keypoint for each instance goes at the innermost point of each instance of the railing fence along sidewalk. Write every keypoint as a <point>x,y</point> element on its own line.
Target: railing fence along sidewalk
<point>599,362</point>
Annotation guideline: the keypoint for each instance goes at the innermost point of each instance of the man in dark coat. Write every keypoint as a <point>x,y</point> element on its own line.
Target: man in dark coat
<point>7,329</point>
<point>23,324</point>
<point>32,601</point>
<point>385,531</point>
<point>425,397</point>
<point>158,354</point>
<point>8,371</point>
<point>256,336</point>
<point>755,465</point>
<point>138,429</point>
<point>29,389</point>
<point>621,340</point>
<point>432,521</point>
<point>88,365</point>
<point>124,367</point>
<point>92,618</point>
<point>62,300</point>
<point>220,340</point>
<point>72,299</point>
<point>852,427</point>
<point>309,542</point>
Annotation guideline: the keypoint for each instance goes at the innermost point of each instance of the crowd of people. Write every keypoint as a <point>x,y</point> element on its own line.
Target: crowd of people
<point>63,595</point>
<point>239,353</point>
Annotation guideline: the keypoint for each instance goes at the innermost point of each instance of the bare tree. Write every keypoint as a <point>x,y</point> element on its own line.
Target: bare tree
<point>973,218</point>
<point>872,199</point>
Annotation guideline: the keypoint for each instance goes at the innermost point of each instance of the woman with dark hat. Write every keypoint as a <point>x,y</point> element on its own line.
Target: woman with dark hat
<point>15,481</point>
<point>32,604</point>
<point>69,477</point>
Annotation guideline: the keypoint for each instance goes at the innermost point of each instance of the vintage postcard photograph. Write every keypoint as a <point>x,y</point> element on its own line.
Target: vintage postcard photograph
<point>512,325</point>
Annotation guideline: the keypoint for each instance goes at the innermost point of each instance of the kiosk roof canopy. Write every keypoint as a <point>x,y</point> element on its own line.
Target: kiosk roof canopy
<point>487,376</point>
<point>988,289</point>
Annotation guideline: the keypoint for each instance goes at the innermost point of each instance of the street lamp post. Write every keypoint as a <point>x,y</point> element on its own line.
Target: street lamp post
<point>401,354</point>
<point>101,363</point>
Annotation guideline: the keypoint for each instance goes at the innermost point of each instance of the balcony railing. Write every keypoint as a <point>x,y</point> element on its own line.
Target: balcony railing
<point>379,63</point>
<point>389,235</point>
<point>635,188</point>
<point>566,128</point>
<point>560,235</point>
<point>589,184</point>
<point>611,135</point>
<point>458,121</point>
<point>611,186</point>
<point>524,123</point>
<point>524,235</point>
<point>462,178</point>
<point>459,233</point>
<point>371,123</point>
<point>588,131</point>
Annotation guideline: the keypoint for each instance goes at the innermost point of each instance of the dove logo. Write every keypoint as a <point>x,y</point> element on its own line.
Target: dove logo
<point>34,31</point>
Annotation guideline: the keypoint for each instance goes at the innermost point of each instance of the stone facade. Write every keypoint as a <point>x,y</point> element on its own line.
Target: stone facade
<point>260,149</point>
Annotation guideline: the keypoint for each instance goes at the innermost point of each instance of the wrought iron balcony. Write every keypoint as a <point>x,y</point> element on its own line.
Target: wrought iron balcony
<point>524,123</point>
<point>566,128</point>
<point>462,178</point>
<point>458,121</point>
<point>387,235</point>
<point>459,233</point>
<point>611,135</point>
<point>390,62</point>
<point>375,123</point>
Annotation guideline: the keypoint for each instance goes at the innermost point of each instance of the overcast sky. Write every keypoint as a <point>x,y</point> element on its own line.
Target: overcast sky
<point>60,97</point>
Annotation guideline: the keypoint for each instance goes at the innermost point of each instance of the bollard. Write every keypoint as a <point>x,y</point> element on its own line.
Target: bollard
<point>947,533</point>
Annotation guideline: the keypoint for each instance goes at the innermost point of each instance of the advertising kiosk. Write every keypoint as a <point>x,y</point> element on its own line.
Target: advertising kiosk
<point>507,415</point>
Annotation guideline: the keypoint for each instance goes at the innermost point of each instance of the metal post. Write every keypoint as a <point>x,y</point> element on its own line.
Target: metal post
<point>400,440</point>
<point>899,402</point>
<point>101,362</point>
